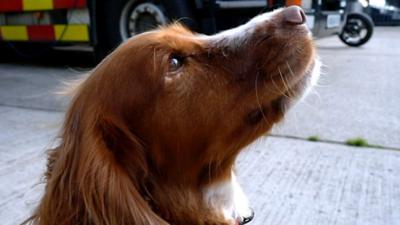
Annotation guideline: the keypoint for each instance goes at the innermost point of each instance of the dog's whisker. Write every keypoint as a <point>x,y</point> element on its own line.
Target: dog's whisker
<point>288,91</point>
<point>290,69</point>
<point>258,100</point>
<point>292,75</point>
<point>286,88</point>
<point>154,60</point>
<point>278,88</point>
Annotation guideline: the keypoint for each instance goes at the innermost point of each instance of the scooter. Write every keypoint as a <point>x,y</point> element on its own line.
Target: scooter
<point>359,27</point>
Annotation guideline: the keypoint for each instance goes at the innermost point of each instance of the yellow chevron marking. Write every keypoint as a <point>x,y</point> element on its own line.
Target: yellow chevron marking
<point>29,5</point>
<point>14,33</point>
<point>72,32</point>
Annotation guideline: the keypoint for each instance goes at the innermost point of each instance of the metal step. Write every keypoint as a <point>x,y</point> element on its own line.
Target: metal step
<point>241,4</point>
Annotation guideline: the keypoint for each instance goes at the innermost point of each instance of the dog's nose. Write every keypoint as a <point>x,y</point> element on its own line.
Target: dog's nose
<point>294,15</point>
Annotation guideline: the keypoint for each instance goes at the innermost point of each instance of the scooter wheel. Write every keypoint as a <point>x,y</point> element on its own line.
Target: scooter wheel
<point>357,30</point>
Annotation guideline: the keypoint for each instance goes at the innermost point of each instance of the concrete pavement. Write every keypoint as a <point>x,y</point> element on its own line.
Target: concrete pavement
<point>294,182</point>
<point>24,136</point>
<point>289,181</point>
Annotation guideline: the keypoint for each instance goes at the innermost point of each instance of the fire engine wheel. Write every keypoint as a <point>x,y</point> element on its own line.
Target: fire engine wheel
<point>118,20</point>
<point>140,17</point>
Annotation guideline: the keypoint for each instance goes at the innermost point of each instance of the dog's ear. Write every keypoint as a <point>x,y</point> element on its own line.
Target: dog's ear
<point>95,176</point>
<point>128,152</point>
<point>115,169</point>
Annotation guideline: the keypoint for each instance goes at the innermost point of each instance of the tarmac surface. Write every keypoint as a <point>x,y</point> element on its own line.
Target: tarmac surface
<point>288,179</point>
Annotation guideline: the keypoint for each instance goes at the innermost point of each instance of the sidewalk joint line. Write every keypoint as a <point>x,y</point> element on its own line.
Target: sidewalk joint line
<point>31,108</point>
<point>332,142</point>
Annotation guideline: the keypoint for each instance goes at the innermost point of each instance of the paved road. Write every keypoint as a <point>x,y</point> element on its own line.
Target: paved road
<point>289,180</point>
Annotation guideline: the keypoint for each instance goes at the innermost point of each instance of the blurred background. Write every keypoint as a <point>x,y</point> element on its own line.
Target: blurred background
<point>335,159</point>
<point>33,28</point>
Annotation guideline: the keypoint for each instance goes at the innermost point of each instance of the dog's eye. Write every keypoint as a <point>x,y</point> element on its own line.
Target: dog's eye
<point>175,62</point>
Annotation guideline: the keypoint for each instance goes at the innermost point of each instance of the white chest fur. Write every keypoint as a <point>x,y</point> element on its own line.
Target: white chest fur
<point>228,198</point>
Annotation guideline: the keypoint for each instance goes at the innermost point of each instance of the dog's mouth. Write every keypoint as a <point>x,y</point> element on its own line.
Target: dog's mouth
<point>287,96</point>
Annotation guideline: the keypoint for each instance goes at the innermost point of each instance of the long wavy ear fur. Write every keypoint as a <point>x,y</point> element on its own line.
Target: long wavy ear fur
<point>91,178</point>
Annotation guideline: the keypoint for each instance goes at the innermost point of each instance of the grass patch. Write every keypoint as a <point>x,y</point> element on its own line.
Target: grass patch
<point>314,138</point>
<point>358,142</point>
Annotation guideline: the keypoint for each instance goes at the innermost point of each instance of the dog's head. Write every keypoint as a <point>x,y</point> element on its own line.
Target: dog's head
<point>195,99</point>
<point>170,108</point>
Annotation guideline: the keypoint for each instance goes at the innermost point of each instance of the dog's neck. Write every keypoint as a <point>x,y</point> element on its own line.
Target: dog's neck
<point>182,206</point>
<point>221,203</point>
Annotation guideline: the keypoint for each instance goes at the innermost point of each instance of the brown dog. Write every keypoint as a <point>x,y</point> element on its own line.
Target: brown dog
<point>151,136</point>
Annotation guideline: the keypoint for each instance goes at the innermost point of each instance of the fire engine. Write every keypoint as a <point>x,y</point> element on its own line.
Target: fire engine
<point>103,24</point>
